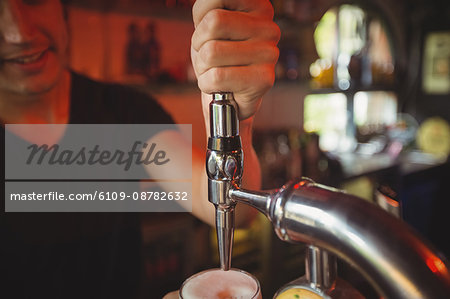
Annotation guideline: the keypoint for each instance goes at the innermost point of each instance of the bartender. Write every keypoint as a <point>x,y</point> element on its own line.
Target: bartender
<point>96,255</point>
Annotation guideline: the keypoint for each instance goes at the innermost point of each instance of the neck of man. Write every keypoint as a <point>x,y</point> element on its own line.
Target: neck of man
<point>50,107</point>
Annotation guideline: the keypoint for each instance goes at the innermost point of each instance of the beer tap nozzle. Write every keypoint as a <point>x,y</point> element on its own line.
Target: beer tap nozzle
<point>224,166</point>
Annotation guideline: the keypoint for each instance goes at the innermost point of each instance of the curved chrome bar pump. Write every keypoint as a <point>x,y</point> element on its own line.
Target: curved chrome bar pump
<point>383,248</point>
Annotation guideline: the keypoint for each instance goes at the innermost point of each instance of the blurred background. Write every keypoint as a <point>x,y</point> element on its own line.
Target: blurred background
<point>361,102</point>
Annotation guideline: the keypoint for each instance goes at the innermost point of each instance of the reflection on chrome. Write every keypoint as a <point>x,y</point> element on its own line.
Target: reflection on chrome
<point>397,262</point>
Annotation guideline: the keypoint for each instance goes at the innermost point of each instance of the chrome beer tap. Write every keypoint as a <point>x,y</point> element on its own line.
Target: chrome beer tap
<point>397,262</point>
<point>224,166</point>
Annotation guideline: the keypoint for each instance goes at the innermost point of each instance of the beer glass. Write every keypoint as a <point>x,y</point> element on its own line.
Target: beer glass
<point>216,283</point>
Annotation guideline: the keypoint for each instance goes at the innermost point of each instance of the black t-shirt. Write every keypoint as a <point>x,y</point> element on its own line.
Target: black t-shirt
<point>79,255</point>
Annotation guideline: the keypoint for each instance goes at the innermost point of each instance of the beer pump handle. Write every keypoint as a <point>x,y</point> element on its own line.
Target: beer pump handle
<point>224,166</point>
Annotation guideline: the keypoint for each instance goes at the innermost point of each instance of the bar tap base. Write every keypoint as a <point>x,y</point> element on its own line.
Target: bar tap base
<point>320,280</point>
<point>303,288</point>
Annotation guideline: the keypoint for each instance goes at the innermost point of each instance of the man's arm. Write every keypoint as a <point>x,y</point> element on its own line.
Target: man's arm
<point>173,143</point>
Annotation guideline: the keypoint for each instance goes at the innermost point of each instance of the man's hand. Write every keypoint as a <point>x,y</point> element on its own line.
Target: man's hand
<point>234,49</point>
<point>172,295</point>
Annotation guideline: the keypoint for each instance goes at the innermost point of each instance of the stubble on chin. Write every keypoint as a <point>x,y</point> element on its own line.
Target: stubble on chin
<point>31,90</point>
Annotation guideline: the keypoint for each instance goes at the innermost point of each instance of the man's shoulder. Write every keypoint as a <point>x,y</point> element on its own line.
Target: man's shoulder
<point>105,91</point>
<point>113,103</point>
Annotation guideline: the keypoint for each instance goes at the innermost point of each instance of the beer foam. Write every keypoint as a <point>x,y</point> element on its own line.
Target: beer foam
<point>221,285</point>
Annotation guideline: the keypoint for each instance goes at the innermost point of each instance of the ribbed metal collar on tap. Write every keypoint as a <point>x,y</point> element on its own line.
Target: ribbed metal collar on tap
<point>223,96</point>
<point>223,115</point>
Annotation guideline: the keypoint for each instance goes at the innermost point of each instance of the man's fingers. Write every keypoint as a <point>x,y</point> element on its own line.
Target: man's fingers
<point>234,49</point>
<point>230,25</point>
<point>244,80</point>
<point>260,8</point>
<point>219,53</point>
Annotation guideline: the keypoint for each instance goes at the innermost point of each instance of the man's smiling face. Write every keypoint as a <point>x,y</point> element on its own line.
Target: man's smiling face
<point>33,46</point>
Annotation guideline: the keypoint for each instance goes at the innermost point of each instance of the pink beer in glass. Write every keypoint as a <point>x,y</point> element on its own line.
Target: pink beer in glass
<point>219,284</point>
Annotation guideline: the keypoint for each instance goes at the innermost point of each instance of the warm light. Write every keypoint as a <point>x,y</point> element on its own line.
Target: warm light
<point>299,184</point>
<point>392,202</point>
<point>315,70</point>
<point>435,264</point>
